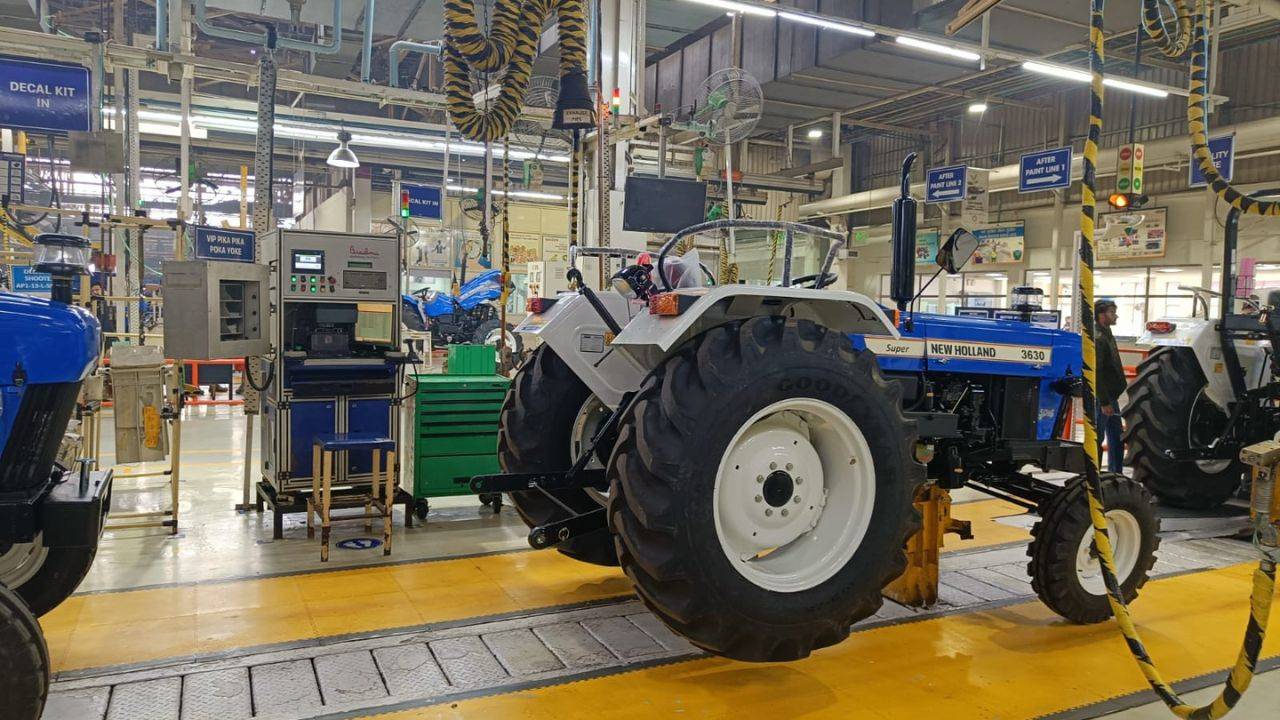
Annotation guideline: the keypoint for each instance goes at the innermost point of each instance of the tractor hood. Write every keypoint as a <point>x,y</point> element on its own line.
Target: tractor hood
<point>54,343</point>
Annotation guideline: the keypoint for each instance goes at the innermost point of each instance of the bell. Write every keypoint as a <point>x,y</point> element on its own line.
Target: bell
<point>574,109</point>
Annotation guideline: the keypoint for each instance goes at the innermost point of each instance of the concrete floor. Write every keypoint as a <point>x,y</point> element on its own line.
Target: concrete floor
<point>216,542</point>
<point>1262,701</point>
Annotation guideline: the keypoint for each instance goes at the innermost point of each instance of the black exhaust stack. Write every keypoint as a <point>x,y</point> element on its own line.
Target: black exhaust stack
<point>902,278</point>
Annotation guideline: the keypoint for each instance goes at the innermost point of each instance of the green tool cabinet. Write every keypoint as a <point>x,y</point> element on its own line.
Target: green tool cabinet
<point>455,435</point>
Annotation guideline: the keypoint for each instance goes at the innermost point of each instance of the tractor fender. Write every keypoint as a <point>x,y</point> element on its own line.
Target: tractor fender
<point>579,336</point>
<point>1202,337</point>
<point>652,337</point>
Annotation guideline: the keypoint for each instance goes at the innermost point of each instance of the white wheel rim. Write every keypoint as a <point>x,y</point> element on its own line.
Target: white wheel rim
<point>784,467</point>
<point>1126,541</point>
<point>590,416</point>
<point>21,562</point>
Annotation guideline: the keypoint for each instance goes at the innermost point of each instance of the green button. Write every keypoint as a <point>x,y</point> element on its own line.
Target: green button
<point>293,278</point>
<point>313,288</point>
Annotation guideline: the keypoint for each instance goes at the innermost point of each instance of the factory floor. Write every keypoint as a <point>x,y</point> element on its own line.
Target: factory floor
<point>463,620</point>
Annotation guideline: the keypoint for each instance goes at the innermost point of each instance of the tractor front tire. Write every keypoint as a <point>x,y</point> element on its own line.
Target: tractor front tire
<point>1064,568</point>
<point>535,435</point>
<point>761,489</point>
<point>24,659</point>
<point>1158,416</point>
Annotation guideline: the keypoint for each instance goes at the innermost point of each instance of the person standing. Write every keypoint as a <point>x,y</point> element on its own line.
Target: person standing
<point>1111,383</point>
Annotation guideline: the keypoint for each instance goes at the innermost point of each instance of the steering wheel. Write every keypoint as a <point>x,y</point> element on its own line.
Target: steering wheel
<point>817,281</point>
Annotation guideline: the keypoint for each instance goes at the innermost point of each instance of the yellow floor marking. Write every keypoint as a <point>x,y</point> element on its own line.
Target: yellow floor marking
<point>118,628</point>
<point>1015,662</point>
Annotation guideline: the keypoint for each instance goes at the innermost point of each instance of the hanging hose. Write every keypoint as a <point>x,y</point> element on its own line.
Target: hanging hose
<point>1196,124</point>
<point>1264,577</point>
<point>1174,46</point>
<point>575,165</point>
<point>511,48</point>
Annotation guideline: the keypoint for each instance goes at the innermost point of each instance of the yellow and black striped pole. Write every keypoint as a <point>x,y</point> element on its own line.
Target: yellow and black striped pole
<point>1264,577</point>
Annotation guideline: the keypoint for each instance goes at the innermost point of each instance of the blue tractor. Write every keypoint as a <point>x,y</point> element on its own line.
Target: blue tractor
<point>470,317</point>
<point>756,457</point>
<point>52,502</point>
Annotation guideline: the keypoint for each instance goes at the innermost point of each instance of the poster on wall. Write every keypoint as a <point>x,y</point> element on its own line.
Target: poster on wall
<point>555,249</point>
<point>1132,235</point>
<point>431,248</point>
<point>524,250</point>
<point>927,245</point>
<point>1001,243</point>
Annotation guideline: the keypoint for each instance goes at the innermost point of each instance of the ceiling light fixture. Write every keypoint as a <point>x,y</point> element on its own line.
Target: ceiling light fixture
<point>828,24</point>
<point>1068,73</point>
<point>342,157</point>
<point>977,107</point>
<point>815,133</point>
<point>937,48</point>
<point>743,8</point>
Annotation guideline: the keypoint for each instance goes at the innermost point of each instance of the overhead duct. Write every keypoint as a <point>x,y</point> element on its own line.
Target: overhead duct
<point>1254,135</point>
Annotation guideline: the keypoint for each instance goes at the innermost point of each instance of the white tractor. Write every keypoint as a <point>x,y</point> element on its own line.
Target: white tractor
<point>1206,392</point>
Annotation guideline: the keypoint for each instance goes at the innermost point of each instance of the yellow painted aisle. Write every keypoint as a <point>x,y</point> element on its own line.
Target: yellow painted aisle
<point>1019,661</point>
<point>122,628</point>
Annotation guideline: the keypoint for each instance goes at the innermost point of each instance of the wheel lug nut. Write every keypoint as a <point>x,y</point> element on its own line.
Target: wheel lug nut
<point>758,498</point>
<point>789,466</point>
<point>795,499</point>
<point>784,512</point>
<point>799,481</point>
<point>768,513</point>
<point>759,478</point>
<point>773,466</point>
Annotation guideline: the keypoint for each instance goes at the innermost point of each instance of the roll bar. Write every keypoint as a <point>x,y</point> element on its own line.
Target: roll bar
<point>789,229</point>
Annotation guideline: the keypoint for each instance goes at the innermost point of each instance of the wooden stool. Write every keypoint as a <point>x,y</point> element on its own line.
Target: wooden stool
<point>382,492</point>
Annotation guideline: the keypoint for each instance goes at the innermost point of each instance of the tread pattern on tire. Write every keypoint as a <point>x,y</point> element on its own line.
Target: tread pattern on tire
<point>1156,417</point>
<point>24,657</point>
<point>1064,518</point>
<point>649,465</point>
<point>533,435</point>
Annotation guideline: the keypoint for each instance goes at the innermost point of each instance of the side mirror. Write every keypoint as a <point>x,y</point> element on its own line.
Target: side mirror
<point>956,251</point>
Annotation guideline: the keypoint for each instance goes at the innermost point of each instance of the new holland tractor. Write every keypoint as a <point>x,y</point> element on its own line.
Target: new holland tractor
<point>751,455</point>
<point>52,502</point>
<point>1206,392</point>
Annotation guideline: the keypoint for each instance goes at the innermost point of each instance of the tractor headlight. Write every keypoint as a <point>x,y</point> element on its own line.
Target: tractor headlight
<point>65,255</point>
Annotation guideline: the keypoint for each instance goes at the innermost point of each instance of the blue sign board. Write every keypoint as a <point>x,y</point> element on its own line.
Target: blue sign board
<point>424,201</point>
<point>946,184</point>
<point>1045,170</point>
<point>26,280</point>
<point>219,244</point>
<point>43,96</point>
<point>359,543</point>
<point>1223,150</point>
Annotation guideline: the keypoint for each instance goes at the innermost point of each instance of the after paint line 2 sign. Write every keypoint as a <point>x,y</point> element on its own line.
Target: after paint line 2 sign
<point>1045,170</point>
<point>946,184</point>
<point>43,96</point>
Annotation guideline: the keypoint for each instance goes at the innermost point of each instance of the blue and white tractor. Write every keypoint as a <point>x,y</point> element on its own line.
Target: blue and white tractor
<point>52,503</point>
<point>472,317</point>
<point>752,455</point>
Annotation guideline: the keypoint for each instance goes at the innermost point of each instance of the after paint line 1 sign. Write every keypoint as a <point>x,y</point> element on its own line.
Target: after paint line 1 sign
<point>1045,170</point>
<point>946,184</point>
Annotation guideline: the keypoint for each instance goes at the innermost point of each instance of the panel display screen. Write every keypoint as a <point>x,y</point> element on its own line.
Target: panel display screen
<point>308,261</point>
<point>361,264</point>
<point>363,280</point>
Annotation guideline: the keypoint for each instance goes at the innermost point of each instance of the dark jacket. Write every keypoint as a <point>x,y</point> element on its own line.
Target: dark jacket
<point>1111,380</point>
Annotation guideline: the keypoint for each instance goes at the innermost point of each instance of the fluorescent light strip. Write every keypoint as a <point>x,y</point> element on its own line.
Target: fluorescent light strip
<point>527,194</point>
<point>1067,73</point>
<point>937,48</point>
<point>737,7</point>
<point>828,24</point>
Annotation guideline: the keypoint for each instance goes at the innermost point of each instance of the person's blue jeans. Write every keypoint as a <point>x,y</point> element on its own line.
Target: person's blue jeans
<point>1113,429</point>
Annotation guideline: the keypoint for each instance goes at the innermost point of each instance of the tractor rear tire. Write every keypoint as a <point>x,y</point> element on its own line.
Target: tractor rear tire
<point>1064,568</point>
<point>24,659</point>
<point>707,427</point>
<point>55,573</point>
<point>1158,417</point>
<point>535,435</point>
